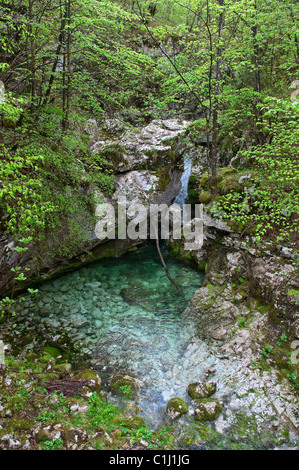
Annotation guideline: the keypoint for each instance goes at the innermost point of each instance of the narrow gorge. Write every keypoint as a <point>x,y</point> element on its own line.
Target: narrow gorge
<point>158,348</point>
<point>149,225</point>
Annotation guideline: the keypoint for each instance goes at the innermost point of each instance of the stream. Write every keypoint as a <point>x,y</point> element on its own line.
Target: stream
<point>127,316</point>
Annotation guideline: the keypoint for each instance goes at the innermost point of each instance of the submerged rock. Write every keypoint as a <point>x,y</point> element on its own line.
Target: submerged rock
<point>138,295</point>
<point>78,321</point>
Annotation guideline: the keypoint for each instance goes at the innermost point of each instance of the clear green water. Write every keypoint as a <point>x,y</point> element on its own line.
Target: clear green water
<point>126,313</point>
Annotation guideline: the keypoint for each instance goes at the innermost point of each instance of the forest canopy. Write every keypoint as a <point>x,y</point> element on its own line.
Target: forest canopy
<point>228,66</point>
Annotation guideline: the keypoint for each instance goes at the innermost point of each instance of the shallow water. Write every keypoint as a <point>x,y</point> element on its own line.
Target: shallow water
<point>127,314</point>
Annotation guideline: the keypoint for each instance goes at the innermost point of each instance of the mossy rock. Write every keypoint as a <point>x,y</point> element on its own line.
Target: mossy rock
<point>63,368</point>
<point>204,181</point>
<point>124,384</point>
<point>51,351</point>
<point>207,410</point>
<point>205,197</point>
<point>131,422</point>
<point>114,153</point>
<point>229,185</point>
<point>176,407</point>
<point>94,381</point>
<point>199,390</point>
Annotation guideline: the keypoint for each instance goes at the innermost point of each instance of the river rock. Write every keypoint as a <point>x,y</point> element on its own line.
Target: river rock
<point>219,334</point>
<point>176,407</point>
<point>124,384</point>
<point>201,389</point>
<point>207,411</point>
<point>92,379</point>
<point>78,321</point>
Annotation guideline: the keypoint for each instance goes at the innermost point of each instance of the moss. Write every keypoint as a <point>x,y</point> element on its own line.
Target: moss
<point>204,433</point>
<point>94,381</point>
<point>114,153</point>
<point>193,179</point>
<point>163,176</point>
<point>42,436</point>
<point>246,426</point>
<point>204,182</point>
<point>123,384</point>
<point>31,357</point>
<point>227,171</point>
<point>229,185</point>
<point>51,351</point>
<point>202,266</point>
<point>187,438</point>
<point>63,368</point>
<point>27,339</point>
<point>165,436</point>
<point>176,407</point>
<point>236,226</point>
<point>193,195</point>
<point>98,443</point>
<point>207,410</point>
<point>131,422</point>
<point>205,197</point>
<point>201,390</point>
<point>20,423</point>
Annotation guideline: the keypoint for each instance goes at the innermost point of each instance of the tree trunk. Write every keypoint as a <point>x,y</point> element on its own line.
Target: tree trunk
<point>67,68</point>
<point>215,113</point>
<point>56,57</point>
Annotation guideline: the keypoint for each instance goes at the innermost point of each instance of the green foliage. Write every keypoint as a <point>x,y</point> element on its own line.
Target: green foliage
<point>41,186</point>
<point>269,202</point>
<point>56,444</point>
<point>101,70</point>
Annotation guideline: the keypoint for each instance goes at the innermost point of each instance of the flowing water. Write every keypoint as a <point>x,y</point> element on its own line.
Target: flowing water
<point>128,316</point>
<point>183,194</point>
